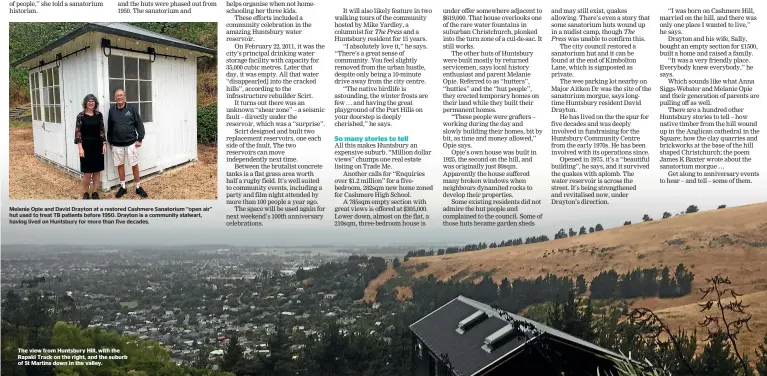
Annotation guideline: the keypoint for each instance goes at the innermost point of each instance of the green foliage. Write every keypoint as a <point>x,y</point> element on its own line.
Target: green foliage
<point>580,284</point>
<point>513,296</point>
<point>642,283</point>
<point>478,246</point>
<point>232,355</point>
<point>692,209</point>
<point>569,318</point>
<point>717,358</point>
<point>761,358</point>
<point>25,38</point>
<point>627,368</point>
<point>538,312</point>
<point>207,123</point>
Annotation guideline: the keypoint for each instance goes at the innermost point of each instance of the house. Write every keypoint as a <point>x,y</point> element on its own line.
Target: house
<point>157,72</point>
<point>476,339</point>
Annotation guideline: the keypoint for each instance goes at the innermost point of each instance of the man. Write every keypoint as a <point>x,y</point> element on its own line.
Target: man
<point>125,130</point>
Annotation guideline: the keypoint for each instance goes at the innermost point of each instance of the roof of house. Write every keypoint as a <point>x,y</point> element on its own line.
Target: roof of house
<point>438,332</point>
<point>118,29</point>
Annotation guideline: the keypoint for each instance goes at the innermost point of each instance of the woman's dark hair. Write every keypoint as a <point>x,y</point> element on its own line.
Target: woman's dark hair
<point>90,97</point>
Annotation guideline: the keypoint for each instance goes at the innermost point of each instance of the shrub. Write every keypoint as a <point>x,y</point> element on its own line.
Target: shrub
<point>207,123</point>
<point>627,368</point>
<point>18,87</point>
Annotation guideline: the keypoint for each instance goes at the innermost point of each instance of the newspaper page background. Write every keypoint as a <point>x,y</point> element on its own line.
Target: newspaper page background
<point>323,174</point>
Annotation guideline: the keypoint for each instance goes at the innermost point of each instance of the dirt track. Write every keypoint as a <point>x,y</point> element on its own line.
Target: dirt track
<point>371,289</point>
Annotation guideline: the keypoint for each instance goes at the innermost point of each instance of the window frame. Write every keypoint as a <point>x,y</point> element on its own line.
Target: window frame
<point>34,93</point>
<point>48,85</point>
<point>139,102</point>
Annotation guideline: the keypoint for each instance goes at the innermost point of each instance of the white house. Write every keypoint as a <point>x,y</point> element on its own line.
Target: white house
<point>157,72</point>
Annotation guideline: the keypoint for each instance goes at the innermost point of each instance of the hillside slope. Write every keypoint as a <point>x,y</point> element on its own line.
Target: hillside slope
<point>731,241</point>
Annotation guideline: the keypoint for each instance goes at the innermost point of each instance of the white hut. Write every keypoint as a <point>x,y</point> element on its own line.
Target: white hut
<point>157,72</point>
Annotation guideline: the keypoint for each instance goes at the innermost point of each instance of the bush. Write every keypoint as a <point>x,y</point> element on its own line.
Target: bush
<point>627,368</point>
<point>18,87</point>
<point>207,123</point>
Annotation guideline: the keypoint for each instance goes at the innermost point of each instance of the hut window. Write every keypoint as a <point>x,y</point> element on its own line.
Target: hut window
<point>51,95</point>
<point>134,76</point>
<point>34,85</point>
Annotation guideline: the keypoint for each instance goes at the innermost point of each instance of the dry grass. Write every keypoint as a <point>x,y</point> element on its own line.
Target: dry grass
<point>687,316</point>
<point>731,241</point>
<point>403,292</point>
<point>32,179</point>
<point>371,289</point>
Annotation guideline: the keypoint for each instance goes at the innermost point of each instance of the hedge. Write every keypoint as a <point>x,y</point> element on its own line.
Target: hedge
<point>207,123</point>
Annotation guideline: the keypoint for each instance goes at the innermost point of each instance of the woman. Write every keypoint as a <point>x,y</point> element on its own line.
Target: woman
<point>91,141</point>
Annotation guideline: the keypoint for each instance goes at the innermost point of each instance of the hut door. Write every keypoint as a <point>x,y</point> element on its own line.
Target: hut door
<point>134,76</point>
<point>48,129</point>
<point>37,111</point>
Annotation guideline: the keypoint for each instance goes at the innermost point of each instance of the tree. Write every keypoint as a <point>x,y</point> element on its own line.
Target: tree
<point>395,263</point>
<point>628,368</point>
<point>666,215</point>
<point>684,279</point>
<point>604,285</point>
<point>598,227</point>
<point>580,283</point>
<point>591,229</point>
<point>582,231</point>
<point>202,358</point>
<point>504,291</point>
<point>646,218</point>
<point>664,287</point>
<point>675,352</point>
<point>572,232</point>
<point>566,316</point>
<point>486,290</point>
<point>721,206</point>
<point>232,355</point>
<point>279,361</point>
<point>725,326</point>
<point>691,209</point>
<point>626,223</point>
<point>761,358</point>
<point>716,359</point>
